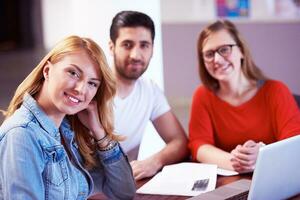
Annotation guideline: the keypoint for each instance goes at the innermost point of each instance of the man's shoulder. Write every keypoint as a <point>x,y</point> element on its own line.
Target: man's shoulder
<point>148,85</point>
<point>145,81</point>
<point>150,93</point>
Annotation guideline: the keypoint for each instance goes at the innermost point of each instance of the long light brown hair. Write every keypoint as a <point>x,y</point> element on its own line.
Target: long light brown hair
<point>249,68</point>
<point>104,96</point>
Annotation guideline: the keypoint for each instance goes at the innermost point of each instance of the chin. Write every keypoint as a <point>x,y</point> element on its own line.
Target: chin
<point>133,76</point>
<point>71,111</point>
<point>222,78</point>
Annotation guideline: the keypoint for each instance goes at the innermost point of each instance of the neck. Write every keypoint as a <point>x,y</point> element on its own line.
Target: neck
<point>236,87</point>
<point>124,86</point>
<point>43,101</point>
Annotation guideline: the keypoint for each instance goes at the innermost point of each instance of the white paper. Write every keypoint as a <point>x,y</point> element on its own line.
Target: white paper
<point>226,172</point>
<point>178,179</point>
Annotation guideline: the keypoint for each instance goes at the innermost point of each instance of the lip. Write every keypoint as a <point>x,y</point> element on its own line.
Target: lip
<point>135,68</point>
<point>221,69</point>
<point>73,100</point>
<point>135,65</point>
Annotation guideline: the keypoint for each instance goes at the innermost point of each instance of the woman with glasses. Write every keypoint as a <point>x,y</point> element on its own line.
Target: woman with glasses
<point>237,110</point>
<point>57,141</point>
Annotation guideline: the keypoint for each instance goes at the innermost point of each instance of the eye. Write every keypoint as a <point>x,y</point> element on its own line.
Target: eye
<point>74,73</point>
<point>127,45</point>
<point>209,54</point>
<point>145,45</point>
<point>93,84</point>
<point>225,50</point>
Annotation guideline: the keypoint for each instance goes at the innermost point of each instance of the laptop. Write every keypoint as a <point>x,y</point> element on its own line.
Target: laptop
<point>276,175</point>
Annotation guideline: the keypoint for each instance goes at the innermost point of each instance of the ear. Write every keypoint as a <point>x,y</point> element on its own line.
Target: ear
<point>151,53</point>
<point>46,70</point>
<point>111,47</point>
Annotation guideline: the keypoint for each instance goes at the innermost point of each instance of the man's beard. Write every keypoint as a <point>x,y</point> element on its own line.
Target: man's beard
<point>130,75</point>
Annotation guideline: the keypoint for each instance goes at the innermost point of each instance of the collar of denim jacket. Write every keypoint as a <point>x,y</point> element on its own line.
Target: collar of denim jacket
<point>43,119</point>
<point>66,130</point>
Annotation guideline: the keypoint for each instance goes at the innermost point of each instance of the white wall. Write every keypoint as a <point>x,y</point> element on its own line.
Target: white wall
<point>191,11</point>
<point>92,18</point>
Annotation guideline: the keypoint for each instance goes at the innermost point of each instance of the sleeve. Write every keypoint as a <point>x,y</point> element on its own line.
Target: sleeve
<point>286,114</point>
<point>118,181</point>
<point>160,103</point>
<point>200,126</point>
<point>21,166</point>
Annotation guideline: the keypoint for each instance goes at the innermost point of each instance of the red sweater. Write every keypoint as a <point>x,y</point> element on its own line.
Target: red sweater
<point>271,115</point>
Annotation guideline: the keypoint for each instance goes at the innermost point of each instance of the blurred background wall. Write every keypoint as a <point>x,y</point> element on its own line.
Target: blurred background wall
<point>31,28</point>
<point>271,29</point>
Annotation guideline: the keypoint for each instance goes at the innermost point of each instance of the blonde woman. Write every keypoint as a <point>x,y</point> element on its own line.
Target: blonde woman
<point>56,141</point>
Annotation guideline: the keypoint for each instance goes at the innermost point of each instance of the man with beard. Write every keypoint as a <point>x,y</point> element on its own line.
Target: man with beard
<point>138,99</point>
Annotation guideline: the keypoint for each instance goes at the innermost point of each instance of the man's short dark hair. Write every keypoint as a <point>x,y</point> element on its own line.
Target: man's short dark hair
<point>130,19</point>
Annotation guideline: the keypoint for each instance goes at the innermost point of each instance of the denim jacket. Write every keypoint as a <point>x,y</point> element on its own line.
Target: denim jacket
<point>35,165</point>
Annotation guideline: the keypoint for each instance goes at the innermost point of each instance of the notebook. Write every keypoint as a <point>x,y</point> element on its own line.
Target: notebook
<point>276,175</point>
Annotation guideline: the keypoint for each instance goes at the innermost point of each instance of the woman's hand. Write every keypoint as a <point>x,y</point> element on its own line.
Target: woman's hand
<point>244,156</point>
<point>89,118</point>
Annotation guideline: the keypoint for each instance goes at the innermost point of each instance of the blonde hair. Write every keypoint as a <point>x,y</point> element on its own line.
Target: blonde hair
<point>104,96</point>
<point>249,68</point>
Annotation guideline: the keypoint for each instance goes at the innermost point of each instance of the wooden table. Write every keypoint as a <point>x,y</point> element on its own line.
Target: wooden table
<point>221,180</point>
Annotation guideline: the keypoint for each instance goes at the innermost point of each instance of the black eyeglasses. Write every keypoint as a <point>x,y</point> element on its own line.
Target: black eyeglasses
<point>224,51</point>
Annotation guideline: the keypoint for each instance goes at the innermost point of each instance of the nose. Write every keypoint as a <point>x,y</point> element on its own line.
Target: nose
<point>135,53</point>
<point>80,87</point>
<point>218,58</point>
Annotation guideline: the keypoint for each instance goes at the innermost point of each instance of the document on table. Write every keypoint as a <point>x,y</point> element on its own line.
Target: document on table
<point>186,179</point>
<point>226,172</point>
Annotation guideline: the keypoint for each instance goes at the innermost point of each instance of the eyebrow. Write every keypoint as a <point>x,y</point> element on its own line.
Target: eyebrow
<point>80,70</point>
<point>218,47</point>
<point>145,41</point>
<point>131,41</point>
